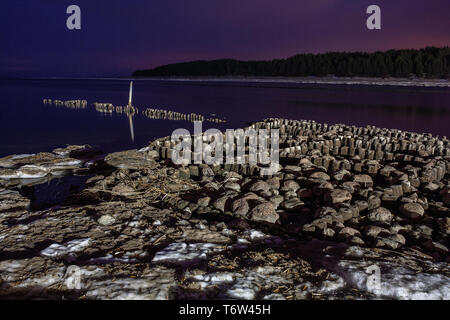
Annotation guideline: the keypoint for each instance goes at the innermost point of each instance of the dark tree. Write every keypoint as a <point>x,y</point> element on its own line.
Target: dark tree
<point>429,62</point>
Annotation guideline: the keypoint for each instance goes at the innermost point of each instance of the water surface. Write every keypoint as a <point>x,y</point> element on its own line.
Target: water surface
<point>28,125</point>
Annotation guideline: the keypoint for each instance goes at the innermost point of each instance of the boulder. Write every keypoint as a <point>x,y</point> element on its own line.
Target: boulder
<point>363,180</point>
<point>376,231</point>
<point>381,215</point>
<point>289,185</point>
<point>240,207</point>
<point>232,186</point>
<point>264,212</point>
<point>259,186</point>
<point>292,205</point>
<point>337,196</point>
<point>348,233</point>
<point>320,175</point>
<point>444,225</point>
<point>413,211</point>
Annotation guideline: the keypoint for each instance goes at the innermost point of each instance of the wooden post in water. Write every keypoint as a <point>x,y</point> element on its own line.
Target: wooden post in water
<point>131,94</point>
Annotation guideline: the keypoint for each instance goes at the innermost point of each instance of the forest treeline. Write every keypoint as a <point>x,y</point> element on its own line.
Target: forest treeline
<point>430,62</point>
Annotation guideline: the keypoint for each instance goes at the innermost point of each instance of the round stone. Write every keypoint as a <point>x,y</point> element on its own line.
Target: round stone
<point>106,220</point>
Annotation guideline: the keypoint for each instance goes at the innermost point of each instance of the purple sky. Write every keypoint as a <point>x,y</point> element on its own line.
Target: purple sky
<point>118,37</point>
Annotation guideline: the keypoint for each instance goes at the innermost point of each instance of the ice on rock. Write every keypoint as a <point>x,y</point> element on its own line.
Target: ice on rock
<point>56,250</point>
<point>242,241</point>
<point>274,296</point>
<point>208,280</point>
<point>79,278</point>
<point>31,171</point>
<point>21,156</point>
<point>9,161</point>
<point>254,235</point>
<point>242,290</point>
<point>155,285</point>
<point>127,289</point>
<point>45,281</point>
<point>109,258</point>
<point>11,272</point>
<point>144,149</point>
<point>180,252</point>
<point>245,284</point>
<point>68,163</point>
<point>395,282</point>
<point>248,285</point>
<point>332,284</point>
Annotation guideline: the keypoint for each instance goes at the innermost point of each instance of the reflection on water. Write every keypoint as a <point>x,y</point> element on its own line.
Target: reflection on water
<point>130,111</point>
<point>130,121</point>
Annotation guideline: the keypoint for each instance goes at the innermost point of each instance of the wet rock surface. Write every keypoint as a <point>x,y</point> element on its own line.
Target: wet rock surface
<point>345,202</point>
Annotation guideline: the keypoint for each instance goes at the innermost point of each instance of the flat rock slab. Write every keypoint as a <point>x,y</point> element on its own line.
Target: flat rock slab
<point>131,159</point>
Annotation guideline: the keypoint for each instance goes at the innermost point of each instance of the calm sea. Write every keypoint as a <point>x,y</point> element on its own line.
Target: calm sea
<point>28,125</point>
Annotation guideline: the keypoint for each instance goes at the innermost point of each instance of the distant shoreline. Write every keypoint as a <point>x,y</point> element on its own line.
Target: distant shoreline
<point>405,82</point>
<point>402,82</point>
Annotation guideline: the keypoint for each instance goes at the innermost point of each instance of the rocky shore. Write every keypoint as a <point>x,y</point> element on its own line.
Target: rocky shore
<point>347,205</point>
